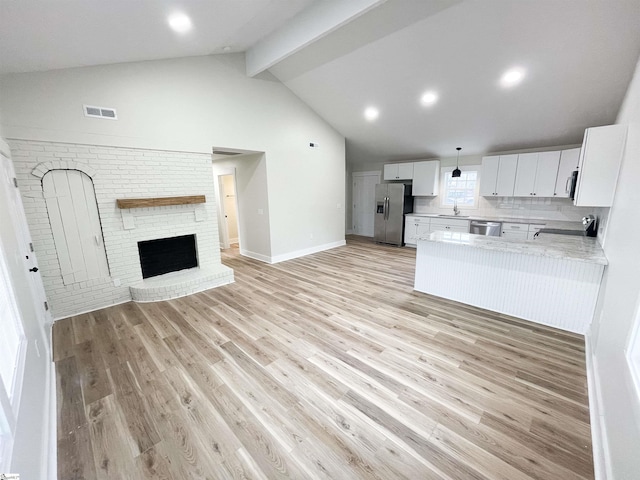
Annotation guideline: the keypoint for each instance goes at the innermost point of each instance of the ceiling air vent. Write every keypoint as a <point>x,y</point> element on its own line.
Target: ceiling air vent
<point>100,112</point>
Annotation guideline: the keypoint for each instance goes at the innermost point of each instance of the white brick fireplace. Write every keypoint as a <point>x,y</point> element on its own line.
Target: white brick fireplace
<point>119,173</point>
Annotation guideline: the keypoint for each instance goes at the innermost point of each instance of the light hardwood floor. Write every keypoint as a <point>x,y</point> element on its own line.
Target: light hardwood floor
<point>327,366</point>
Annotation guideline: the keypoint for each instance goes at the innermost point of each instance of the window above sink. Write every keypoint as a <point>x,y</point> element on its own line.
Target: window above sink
<point>463,189</point>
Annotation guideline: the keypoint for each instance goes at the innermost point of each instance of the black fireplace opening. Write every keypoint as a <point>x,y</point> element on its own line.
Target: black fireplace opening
<point>165,255</point>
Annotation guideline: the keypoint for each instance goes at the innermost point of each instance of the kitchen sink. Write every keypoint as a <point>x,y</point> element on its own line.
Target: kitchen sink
<point>452,216</point>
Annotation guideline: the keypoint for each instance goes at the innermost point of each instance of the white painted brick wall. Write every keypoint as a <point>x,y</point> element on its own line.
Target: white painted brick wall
<point>119,173</point>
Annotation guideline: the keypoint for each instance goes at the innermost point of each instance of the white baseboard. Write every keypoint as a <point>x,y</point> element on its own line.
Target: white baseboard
<point>349,232</point>
<point>307,251</point>
<point>255,256</point>
<point>233,240</point>
<point>92,310</point>
<point>599,443</point>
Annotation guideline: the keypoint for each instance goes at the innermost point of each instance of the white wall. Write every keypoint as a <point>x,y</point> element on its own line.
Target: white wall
<point>252,195</point>
<point>619,296</point>
<point>118,173</point>
<point>192,104</point>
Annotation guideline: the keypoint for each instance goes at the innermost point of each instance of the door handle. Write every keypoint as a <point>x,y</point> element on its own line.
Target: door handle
<point>34,269</point>
<point>566,185</point>
<point>387,209</point>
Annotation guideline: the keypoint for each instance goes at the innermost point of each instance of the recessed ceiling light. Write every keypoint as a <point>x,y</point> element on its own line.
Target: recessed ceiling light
<point>180,23</point>
<point>512,77</point>
<point>429,98</point>
<point>371,114</point>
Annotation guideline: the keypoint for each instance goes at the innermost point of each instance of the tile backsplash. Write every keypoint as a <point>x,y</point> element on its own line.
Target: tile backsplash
<point>558,209</point>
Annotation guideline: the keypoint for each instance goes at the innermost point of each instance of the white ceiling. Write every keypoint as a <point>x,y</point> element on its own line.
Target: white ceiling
<point>579,57</point>
<point>51,34</point>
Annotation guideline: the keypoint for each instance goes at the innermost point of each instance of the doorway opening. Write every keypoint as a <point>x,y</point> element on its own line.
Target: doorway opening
<point>363,194</point>
<point>228,201</point>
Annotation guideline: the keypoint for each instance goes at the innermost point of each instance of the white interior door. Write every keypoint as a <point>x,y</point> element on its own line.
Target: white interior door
<point>25,423</point>
<point>230,209</point>
<point>364,191</point>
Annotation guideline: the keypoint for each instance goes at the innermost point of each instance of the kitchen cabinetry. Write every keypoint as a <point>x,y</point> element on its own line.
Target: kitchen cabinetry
<point>515,230</point>
<point>498,175</point>
<point>398,171</point>
<point>536,174</point>
<point>600,158</point>
<point>533,229</point>
<point>568,163</point>
<point>521,231</point>
<point>426,178</point>
<point>415,227</point>
<point>546,174</point>
<point>450,225</point>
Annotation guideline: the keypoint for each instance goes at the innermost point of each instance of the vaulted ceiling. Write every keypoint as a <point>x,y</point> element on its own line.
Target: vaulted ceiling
<point>342,57</point>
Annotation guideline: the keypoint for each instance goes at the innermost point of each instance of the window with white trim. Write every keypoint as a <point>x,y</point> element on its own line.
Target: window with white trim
<point>462,190</point>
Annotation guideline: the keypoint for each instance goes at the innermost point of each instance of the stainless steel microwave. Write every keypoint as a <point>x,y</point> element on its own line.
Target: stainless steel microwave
<point>574,185</point>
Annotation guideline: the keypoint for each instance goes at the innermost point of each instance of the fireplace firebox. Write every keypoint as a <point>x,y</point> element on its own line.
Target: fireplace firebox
<point>164,255</point>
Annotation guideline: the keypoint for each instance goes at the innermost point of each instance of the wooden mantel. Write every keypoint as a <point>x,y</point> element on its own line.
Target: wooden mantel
<point>159,201</point>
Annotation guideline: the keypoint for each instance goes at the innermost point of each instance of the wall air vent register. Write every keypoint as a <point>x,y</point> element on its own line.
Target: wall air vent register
<point>100,112</point>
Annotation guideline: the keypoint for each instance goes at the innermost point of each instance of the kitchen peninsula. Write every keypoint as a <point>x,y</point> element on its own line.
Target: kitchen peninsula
<point>553,280</point>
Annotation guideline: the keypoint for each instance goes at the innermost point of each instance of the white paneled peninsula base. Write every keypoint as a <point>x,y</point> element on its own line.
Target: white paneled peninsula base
<point>553,280</point>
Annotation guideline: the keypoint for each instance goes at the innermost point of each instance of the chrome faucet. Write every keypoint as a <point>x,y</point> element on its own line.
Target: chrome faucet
<point>456,210</point>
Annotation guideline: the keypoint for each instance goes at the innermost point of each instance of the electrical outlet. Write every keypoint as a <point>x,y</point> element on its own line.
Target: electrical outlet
<point>339,205</point>
<point>260,211</point>
<point>116,282</point>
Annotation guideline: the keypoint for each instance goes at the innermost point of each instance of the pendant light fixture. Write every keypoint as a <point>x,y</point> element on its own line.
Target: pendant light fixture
<point>456,173</point>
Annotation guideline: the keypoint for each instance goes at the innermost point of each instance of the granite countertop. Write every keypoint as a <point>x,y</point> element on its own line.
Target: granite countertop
<point>581,249</point>
<point>563,224</point>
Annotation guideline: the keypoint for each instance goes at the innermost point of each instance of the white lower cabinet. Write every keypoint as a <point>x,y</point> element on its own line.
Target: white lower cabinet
<point>515,230</point>
<point>449,225</point>
<point>415,227</point>
<point>533,229</point>
<point>522,231</point>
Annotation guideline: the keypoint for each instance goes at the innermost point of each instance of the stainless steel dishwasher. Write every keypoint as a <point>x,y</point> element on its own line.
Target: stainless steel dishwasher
<point>478,227</point>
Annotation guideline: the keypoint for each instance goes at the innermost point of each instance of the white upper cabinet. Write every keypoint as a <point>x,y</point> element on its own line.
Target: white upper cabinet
<point>489,176</point>
<point>526,175</point>
<point>537,174</point>
<point>600,159</point>
<point>426,178</point>
<point>506,175</point>
<point>546,174</point>
<point>498,175</point>
<point>568,163</point>
<point>398,171</point>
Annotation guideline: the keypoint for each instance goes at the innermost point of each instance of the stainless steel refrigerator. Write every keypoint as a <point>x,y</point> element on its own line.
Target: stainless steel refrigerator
<point>393,200</point>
